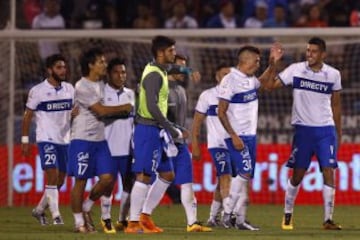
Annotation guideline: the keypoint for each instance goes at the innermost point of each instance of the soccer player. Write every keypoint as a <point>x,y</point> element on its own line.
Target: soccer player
<point>316,117</point>
<point>148,145</point>
<point>238,113</point>
<point>177,111</point>
<point>206,108</point>
<point>51,102</point>
<point>89,154</point>
<point>118,133</point>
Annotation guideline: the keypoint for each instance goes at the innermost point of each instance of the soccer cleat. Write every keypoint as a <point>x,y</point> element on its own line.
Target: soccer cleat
<point>246,226</point>
<point>148,224</point>
<point>133,227</point>
<point>197,227</point>
<point>58,221</point>
<point>213,222</point>
<point>80,229</point>
<point>331,225</point>
<point>107,226</point>
<point>41,217</point>
<point>287,223</point>
<point>121,225</point>
<point>226,220</point>
<point>89,224</point>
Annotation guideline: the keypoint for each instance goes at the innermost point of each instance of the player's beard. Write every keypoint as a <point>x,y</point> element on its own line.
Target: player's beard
<point>57,78</point>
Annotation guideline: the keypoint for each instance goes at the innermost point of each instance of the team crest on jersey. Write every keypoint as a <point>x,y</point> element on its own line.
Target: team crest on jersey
<point>49,148</point>
<point>109,99</point>
<point>48,94</point>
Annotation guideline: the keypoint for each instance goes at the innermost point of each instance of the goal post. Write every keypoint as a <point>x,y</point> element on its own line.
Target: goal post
<point>21,68</point>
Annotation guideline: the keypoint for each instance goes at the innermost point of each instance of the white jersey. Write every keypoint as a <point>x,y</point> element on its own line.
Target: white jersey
<point>240,91</point>
<point>119,132</point>
<point>86,125</point>
<point>208,105</point>
<point>312,93</point>
<point>52,108</point>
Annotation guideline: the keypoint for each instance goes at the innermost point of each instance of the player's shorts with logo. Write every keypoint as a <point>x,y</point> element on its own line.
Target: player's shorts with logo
<point>53,155</point>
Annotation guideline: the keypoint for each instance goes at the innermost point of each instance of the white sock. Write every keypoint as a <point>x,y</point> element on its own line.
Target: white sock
<point>43,203</point>
<point>214,209</point>
<point>52,195</point>
<point>105,203</point>
<point>155,194</point>
<point>137,199</point>
<point>124,206</point>
<point>329,200</point>
<point>79,219</point>
<point>235,188</point>
<point>290,196</point>
<point>188,200</point>
<point>242,204</point>
<point>87,205</point>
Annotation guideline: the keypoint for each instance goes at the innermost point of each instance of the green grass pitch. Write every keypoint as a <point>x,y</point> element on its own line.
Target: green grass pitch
<point>17,223</point>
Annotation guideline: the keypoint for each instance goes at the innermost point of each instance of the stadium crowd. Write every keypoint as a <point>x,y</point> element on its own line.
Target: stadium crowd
<point>97,14</point>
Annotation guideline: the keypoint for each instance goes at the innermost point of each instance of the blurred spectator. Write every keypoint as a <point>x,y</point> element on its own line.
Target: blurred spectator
<point>313,18</point>
<point>49,18</point>
<point>226,18</point>
<point>355,16</point>
<point>4,13</point>
<point>250,5</point>
<point>179,18</point>
<point>260,15</point>
<point>31,8</point>
<point>338,13</point>
<point>145,17</point>
<point>94,14</point>
<point>279,20</point>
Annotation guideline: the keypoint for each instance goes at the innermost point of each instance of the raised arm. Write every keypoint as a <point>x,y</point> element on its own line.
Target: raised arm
<point>268,78</point>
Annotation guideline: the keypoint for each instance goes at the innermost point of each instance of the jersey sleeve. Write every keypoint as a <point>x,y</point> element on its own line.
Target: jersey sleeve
<point>337,83</point>
<point>86,96</point>
<point>286,76</point>
<point>257,83</point>
<point>225,89</point>
<point>202,105</point>
<point>33,99</point>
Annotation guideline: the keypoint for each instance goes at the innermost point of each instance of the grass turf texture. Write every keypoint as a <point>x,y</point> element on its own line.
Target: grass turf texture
<point>17,223</point>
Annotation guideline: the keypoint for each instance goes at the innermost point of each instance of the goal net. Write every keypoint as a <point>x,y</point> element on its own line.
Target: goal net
<point>206,49</point>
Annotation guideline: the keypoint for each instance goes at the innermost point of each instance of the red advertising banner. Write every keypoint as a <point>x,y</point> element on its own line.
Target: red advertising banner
<point>267,187</point>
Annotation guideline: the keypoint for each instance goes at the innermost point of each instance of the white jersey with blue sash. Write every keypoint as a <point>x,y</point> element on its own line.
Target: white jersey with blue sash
<point>312,93</point>
<point>240,91</point>
<point>52,106</point>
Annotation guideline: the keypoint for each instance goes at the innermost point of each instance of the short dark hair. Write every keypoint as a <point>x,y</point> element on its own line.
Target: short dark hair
<point>161,43</point>
<point>318,42</point>
<point>114,62</point>
<point>52,59</point>
<point>221,65</point>
<point>89,57</point>
<point>248,48</point>
<point>181,57</point>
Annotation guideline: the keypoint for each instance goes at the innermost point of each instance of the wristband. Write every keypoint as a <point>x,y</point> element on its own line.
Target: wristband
<point>24,139</point>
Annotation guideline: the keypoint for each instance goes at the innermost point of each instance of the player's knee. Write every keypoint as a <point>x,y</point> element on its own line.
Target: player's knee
<point>167,176</point>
